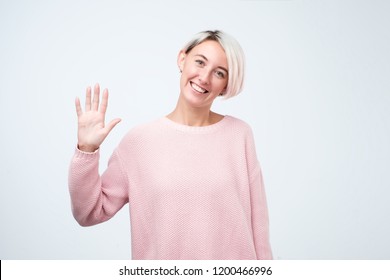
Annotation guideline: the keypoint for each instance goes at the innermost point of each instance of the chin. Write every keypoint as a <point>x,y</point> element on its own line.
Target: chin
<point>196,100</point>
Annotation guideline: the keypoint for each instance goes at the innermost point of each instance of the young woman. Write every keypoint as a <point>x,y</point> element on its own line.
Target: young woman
<point>191,178</point>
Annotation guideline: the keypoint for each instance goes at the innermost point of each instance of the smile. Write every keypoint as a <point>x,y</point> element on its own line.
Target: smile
<point>198,88</point>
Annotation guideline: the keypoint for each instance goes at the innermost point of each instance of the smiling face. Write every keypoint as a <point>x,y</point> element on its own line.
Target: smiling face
<point>204,74</point>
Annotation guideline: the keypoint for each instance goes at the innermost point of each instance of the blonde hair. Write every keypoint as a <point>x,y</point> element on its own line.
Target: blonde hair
<point>234,55</point>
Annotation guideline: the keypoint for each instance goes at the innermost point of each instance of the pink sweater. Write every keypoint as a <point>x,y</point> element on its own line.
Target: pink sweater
<point>194,192</point>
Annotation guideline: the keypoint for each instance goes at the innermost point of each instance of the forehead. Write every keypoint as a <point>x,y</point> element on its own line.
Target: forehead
<point>213,52</point>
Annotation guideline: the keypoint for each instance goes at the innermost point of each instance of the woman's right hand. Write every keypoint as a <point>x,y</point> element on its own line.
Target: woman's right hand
<point>91,127</point>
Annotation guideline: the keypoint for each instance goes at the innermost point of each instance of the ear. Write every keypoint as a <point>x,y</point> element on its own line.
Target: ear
<point>223,91</point>
<point>180,60</point>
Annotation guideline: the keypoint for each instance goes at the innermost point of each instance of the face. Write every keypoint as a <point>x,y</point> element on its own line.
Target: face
<point>204,73</point>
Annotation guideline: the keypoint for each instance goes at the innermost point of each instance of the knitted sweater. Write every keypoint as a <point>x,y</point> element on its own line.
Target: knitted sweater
<point>194,192</point>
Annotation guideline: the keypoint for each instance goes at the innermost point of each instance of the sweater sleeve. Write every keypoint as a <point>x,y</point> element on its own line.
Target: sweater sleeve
<point>260,221</point>
<point>96,199</point>
<point>259,208</point>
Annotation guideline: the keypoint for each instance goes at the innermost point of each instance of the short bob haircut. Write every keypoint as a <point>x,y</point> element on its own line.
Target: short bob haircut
<point>234,55</point>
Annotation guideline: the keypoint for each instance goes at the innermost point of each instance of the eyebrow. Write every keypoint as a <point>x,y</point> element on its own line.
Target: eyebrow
<point>205,58</point>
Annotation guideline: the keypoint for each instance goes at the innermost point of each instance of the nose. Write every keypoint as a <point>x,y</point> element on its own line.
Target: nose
<point>204,77</point>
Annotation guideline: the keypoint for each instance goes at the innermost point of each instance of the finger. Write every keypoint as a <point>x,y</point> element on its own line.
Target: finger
<point>111,125</point>
<point>88,99</point>
<point>79,111</point>
<point>96,93</point>
<point>104,103</point>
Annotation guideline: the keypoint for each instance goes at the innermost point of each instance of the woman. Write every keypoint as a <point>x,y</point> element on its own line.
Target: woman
<point>191,178</point>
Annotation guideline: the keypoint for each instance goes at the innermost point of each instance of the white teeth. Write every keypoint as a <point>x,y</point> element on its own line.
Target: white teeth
<point>198,88</point>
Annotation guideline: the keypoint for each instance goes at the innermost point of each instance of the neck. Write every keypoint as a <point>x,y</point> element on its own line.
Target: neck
<point>193,116</point>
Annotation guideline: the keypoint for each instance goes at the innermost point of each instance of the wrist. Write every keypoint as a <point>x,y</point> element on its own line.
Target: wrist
<point>87,148</point>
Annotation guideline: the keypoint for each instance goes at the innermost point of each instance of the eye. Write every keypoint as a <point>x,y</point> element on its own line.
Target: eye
<point>199,62</point>
<point>220,74</point>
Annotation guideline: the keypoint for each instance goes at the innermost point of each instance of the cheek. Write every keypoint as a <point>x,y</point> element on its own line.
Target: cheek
<point>189,72</point>
<point>184,79</point>
<point>221,85</point>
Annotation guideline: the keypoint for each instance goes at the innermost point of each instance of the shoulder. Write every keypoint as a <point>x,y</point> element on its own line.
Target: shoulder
<point>147,127</point>
<point>141,132</point>
<point>238,125</point>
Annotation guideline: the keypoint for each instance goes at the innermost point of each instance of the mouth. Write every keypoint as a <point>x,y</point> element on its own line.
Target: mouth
<point>198,88</point>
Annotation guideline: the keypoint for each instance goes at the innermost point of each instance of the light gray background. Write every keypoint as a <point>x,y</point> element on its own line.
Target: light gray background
<point>317,96</point>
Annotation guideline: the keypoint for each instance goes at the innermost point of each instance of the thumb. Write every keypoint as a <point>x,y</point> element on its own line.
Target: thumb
<point>112,124</point>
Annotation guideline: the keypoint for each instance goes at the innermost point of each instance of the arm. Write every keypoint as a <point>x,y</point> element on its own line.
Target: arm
<point>259,208</point>
<point>260,221</point>
<point>94,199</point>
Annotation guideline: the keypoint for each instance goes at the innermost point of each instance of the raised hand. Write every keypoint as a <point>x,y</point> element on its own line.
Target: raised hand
<point>91,127</point>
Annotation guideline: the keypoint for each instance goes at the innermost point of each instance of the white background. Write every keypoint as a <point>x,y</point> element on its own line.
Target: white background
<point>317,97</point>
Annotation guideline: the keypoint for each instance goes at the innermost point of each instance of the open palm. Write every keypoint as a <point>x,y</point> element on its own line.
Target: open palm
<point>92,129</point>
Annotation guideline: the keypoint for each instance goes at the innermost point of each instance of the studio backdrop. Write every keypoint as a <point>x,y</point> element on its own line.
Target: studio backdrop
<point>317,96</point>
